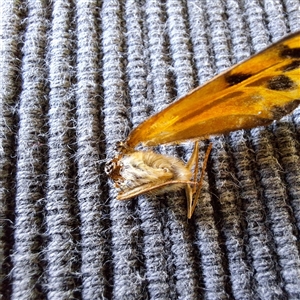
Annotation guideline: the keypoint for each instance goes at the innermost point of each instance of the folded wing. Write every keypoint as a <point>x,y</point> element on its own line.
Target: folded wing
<point>253,93</point>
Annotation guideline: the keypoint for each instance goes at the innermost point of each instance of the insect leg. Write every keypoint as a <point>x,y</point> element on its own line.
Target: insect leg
<point>190,190</point>
<point>192,196</point>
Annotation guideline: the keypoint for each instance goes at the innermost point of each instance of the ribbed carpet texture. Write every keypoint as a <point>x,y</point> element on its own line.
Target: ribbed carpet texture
<point>75,78</point>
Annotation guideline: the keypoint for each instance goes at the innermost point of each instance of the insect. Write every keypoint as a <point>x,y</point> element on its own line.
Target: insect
<point>263,88</point>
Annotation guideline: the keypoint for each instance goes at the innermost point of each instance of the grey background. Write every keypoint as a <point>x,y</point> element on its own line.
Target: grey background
<point>75,78</point>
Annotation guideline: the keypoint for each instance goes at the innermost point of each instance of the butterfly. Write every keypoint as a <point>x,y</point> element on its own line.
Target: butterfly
<point>253,93</point>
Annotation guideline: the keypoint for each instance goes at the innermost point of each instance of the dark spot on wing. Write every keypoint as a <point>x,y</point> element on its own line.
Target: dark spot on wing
<point>280,83</point>
<point>236,78</point>
<point>280,111</point>
<point>290,53</point>
<point>292,66</point>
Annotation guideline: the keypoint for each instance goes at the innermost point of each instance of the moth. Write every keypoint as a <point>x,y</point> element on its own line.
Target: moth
<point>253,93</point>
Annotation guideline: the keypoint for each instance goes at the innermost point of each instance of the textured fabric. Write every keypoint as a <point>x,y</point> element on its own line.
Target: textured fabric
<point>75,78</point>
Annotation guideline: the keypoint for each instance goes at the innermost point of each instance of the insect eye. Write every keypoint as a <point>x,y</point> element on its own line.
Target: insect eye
<point>109,166</point>
<point>113,167</point>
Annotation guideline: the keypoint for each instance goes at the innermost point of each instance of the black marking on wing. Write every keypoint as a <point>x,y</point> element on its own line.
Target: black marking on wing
<point>236,78</point>
<point>281,83</point>
<point>290,53</point>
<point>292,66</point>
<point>280,111</point>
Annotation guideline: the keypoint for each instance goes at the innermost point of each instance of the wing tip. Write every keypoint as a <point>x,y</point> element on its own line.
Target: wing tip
<point>279,112</point>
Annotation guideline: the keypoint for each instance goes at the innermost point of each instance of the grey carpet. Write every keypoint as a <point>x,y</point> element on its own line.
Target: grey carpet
<point>75,78</point>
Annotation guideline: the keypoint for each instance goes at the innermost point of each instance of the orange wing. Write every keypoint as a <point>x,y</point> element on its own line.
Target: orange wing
<point>253,93</point>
